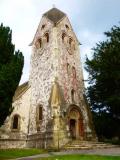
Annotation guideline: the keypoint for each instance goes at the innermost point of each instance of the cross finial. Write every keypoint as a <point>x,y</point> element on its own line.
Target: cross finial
<point>53,5</point>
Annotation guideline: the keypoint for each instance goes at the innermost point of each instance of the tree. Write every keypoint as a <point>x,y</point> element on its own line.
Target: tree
<point>104,83</point>
<point>11,65</point>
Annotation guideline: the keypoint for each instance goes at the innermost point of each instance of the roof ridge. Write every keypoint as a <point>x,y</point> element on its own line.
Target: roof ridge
<point>20,89</point>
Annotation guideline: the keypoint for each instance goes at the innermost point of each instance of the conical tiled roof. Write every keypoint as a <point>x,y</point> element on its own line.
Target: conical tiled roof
<point>54,14</point>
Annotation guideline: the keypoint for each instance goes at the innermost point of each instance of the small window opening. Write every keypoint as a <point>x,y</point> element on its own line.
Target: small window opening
<point>72,95</point>
<point>47,37</point>
<point>40,113</point>
<point>74,72</point>
<point>43,26</point>
<point>63,37</point>
<point>68,68</point>
<point>67,27</point>
<point>40,42</point>
<point>15,122</point>
<point>70,42</point>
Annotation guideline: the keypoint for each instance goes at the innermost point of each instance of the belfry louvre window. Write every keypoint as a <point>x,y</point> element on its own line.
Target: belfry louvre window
<point>15,123</point>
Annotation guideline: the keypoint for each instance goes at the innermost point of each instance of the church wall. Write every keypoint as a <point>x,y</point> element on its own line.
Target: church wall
<point>16,138</point>
<point>41,76</point>
<point>71,57</point>
<point>67,79</point>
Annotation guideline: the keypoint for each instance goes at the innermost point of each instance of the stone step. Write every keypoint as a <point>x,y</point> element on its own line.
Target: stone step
<point>80,141</point>
<point>77,144</point>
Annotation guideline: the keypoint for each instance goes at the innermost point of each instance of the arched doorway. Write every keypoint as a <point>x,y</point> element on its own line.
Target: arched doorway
<point>75,122</point>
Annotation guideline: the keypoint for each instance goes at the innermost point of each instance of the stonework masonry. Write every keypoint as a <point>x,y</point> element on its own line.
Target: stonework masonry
<point>51,109</point>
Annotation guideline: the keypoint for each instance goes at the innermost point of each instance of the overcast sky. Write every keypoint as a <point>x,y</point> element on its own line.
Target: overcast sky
<point>89,18</point>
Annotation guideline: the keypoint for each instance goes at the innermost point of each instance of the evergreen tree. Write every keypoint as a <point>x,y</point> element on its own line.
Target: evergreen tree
<point>11,65</point>
<point>104,80</point>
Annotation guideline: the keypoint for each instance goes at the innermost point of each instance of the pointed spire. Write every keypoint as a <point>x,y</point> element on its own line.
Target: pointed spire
<point>54,14</point>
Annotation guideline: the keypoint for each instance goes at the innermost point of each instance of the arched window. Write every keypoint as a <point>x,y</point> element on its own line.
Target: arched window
<point>71,44</point>
<point>47,37</point>
<point>70,41</point>
<point>73,72</point>
<point>67,27</point>
<point>43,26</point>
<point>63,37</point>
<point>68,68</point>
<point>15,122</point>
<point>39,113</point>
<point>38,43</point>
<point>73,95</point>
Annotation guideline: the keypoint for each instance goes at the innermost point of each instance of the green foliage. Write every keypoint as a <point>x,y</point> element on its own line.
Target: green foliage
<point>11,65</point>
<point>104,80</point>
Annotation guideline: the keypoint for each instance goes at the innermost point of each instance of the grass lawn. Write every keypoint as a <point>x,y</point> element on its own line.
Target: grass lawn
<point>15,153</point>
<point>81,157</point>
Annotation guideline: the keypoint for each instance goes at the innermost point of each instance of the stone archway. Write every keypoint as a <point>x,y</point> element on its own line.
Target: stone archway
<point>75,122</point>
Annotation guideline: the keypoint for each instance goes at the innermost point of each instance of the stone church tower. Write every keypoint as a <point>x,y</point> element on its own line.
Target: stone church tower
<point>56,110</point>
<point>56,82</point>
